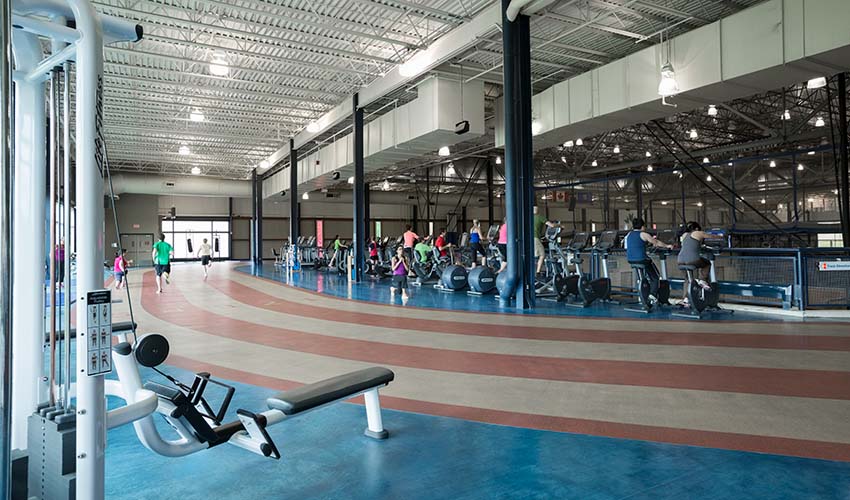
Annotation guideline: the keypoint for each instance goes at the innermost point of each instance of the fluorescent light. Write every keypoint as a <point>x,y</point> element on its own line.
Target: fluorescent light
<point>351,180</point>
<point>648,154</point>
<point>699,203</point>
<point>668,85</point>
<point>810,153</point>
<point>264,164</point>
<point>386,185</point>
<point>675,172</point>
<point>816,83</point>
<point>444,151</point>
<point>706,160</point>
<point>594,163</point>
<point>786,115</point>
<point>693,134</point>
<point>712,110</point>
<point>811,200</point>
<point>649,168</point>
<point>451,169</point>
<point>800,167</point>
<point>616,149</point>
<point>819,122</point>
<point>568,144</point>
<point>729,164</point>
<point>305,196</point>
<point>536,127</point>
<point>219,65</point>
<point>579,142</point>
<point>772,163</point>
<point>313,127</point>
<point>196,115</point>
<point>663,202</point>
<point>184,150</point>
<point>196,171</point>
<point>498,160</point>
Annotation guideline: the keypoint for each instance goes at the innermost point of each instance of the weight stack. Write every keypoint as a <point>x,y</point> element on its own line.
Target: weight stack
<point>51,442</point>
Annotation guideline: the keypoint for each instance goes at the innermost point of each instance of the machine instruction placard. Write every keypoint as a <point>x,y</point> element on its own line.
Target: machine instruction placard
<point>99,332</point>
<point>834,265</point>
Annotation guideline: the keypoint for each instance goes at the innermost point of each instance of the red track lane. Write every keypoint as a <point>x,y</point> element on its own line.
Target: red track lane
<point>174,308</point>
<point>256,298</point>
<point>731,441</point>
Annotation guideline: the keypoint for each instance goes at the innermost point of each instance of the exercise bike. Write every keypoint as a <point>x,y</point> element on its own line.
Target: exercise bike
<point>590,290</point>
<point>701,299</point>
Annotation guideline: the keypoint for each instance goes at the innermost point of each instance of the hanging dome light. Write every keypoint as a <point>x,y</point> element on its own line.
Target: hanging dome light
<point>184,150</point>
<point>351,180</point>
<point>648,154</point>
<point>196,115</point>
<point>386,185</point>
<point>313,127</point>
<point>196,171</point>
<point>693,134</point>
<point>712,110</point>
<point>707,178</point>
<point>668,86</point>
<point>564,159</point>
<point>706,160</point>
<point>786,115</point>
<point>305,196</point>
<point>594,163</point>
<point>616,150</point>
<point>451,169</point>
<point>579,142</point>
<point>772,163</point>
<point>675,172</point>
<point>444,151</point>
<point>498,160</point>
<point>763,201</point>
<point>219,65</point>
<point>800,167</point>
<point>819,122</point>
<point>816,83</point>
<point>569,144</point>
<point>649,168</point>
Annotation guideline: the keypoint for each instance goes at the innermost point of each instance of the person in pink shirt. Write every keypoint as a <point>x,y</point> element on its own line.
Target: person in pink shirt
<point>119,268</point>
<point>409,240</point>
<point>503,243</point>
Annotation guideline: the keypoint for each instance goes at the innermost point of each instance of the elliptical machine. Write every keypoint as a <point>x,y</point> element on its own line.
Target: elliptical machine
<point>556,266</point>
<point>590,290</point>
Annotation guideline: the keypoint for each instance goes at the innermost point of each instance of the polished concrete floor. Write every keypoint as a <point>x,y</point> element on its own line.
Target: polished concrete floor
<point>489,405</point>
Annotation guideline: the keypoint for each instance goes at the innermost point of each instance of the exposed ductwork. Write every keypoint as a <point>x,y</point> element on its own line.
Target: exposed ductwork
<point>776,43</point>
<point>188,186</point>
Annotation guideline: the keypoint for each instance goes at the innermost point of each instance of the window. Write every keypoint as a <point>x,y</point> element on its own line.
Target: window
<point>179,232</point>
<point>830,240</point>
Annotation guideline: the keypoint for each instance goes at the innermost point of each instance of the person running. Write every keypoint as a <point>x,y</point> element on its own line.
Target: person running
<point>162,253</point>
<point>409,241</point>
<point>475,239</point>
<point>400,266</point>
<point>119,268</point>
<point>540,223</point>
<point>503,243</point>
<point>205,254</point>
<point>690,255</point>
<point>635,243</point>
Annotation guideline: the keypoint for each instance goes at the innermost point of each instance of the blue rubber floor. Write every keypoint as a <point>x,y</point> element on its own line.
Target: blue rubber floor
<point>326,456</point>
<point>378,291</point>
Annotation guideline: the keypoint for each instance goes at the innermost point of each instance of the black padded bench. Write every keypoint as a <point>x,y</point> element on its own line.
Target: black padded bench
<point>311,396</point>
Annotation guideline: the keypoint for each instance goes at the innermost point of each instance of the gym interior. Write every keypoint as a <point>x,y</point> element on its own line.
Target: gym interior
<point>513,249</point>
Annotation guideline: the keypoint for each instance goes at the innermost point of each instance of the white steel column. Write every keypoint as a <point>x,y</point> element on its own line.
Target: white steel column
<point>28,250</point>
<point>91,404</point>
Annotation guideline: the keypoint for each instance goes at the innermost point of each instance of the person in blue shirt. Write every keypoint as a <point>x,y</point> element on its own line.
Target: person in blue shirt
<point>635,243</point>
<point>475,239</point>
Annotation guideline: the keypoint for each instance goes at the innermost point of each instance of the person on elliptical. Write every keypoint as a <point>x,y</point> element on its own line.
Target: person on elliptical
<point>635,243</point>
<point>540,223</point>
<point>423,249</point>
<point>475,239</point>
<point>400,266</point>
<point>337,245</point>
<point>441,244</point>
<point>690,255</point>
<point>503,243</point>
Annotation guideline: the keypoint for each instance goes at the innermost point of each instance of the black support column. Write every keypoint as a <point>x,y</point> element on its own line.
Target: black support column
<point>257,218</point>
<point>367,213</point>
<point>518,279</point>
<point>845,176</point>
<point>489,194</point>
<point>359,193</point>
<point>294,212</point>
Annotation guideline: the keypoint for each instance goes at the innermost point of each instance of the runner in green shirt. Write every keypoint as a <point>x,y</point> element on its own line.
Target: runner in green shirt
<point>161,255</point>
<point>423,249</point>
